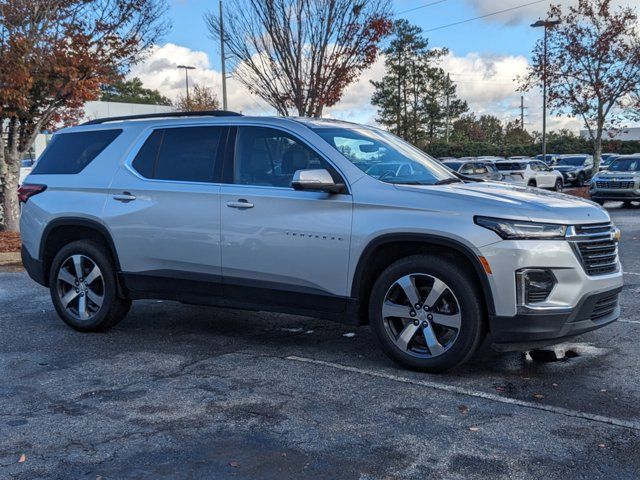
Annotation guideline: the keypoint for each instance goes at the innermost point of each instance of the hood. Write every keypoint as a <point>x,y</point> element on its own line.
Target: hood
<point>502,200</point>
<point>565,168</point>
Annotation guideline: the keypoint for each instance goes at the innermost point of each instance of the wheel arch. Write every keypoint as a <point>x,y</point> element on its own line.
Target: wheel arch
<point>406,244</point>
<point>61,231</point>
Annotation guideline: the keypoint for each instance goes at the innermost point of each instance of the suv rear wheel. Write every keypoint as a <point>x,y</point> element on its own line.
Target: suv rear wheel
<point>558,185</point>
<point>426,312</point>
<point>82,283</point>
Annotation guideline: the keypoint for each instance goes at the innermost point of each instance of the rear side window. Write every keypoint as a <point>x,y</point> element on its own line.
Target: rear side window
<point>186,154</point>
<point>69,153</point>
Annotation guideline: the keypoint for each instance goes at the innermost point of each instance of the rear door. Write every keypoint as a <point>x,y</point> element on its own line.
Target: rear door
<point>281,246</point>
<point>163,211</point>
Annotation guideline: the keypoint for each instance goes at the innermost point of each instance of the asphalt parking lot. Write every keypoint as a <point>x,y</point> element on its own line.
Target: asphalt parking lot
<point>178,391</point>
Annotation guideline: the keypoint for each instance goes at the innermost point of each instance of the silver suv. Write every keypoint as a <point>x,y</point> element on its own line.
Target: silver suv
<point>278,214</point>
<point>620,182</point>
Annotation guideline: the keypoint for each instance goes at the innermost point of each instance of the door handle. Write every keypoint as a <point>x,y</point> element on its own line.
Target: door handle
<point>124,197</point>
<point>241,204</point>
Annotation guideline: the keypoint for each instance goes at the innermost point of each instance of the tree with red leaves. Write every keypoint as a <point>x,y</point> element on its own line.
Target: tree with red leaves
<point>593,66</point>
<point>300,55</point>
<point>54,56</point>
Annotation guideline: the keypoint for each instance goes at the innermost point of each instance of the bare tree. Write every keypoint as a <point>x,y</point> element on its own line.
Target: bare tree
<point>202,98</point>
<point>54,55</point>
<point>593,66</point>
<point>299,55</point>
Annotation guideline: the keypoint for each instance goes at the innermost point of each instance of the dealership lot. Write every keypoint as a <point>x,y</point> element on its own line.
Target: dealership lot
<point>177,391</point>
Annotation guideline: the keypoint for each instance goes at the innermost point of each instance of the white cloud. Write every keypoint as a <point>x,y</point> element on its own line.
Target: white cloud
<point>486,82</point>
<point>159,71</point>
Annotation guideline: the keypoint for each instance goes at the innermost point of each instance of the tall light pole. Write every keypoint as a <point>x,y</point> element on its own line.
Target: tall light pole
<point>222,60</point>
<point>546,24</point>
<point>186,77</point>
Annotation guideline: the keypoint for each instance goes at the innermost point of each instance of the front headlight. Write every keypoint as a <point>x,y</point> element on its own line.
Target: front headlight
<point>571,174</point>
<point>522,229</point>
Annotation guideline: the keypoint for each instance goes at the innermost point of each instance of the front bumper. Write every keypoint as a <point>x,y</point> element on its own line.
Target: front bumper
<point>568,309</point>
<point>615,195</point>
<point>534,329</point>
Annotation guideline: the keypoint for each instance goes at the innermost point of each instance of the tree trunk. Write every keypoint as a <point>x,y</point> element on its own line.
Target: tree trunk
<point>10,205</point>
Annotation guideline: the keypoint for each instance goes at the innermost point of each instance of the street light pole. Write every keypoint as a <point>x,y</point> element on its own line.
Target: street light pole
<point>186,77</point>
<point>222,60</point>
<point>546,24</point>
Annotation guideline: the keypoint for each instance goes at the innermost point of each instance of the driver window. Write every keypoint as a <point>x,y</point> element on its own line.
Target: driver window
<point>270,157</point>
<point>467,169</point>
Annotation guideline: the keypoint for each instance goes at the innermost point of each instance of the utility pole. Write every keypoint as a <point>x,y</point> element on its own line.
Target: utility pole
<point>546,24</point>
<point>186,77</point>
<point>222,60</point>
<point>446,131</point>
<point>522,112</point>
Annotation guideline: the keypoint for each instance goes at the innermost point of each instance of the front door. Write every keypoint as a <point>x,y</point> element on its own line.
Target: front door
<point>281,246</point>
<point>163,212</point>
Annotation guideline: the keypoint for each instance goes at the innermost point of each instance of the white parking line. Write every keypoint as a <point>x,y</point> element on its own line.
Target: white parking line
<point>632,273</point>
<point>475,393</point>
<point>630,321</point>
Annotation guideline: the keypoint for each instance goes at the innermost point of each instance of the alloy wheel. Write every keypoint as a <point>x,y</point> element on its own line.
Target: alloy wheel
<point>80,287</point>
<point>421,315</point>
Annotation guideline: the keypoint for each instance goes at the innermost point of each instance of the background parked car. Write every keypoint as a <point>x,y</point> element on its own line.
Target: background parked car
<point>549,158</point>
<point>530,172</point>
<point>575,169</point>
<point>606,159</point>
<point>475,169</point>
<point>620,182</point>
<point>25,168</point>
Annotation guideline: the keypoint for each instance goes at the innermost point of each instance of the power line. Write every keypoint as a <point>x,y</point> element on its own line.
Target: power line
<point>421,6</point>
<point>485,16</point>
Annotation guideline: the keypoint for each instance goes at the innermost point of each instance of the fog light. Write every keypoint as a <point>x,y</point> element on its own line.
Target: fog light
<point>534,285</point>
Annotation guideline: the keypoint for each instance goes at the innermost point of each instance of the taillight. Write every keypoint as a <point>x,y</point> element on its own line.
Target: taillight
<point>26,191</point>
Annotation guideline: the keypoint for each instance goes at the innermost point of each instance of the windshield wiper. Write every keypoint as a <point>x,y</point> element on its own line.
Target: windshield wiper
<point>447,181</point>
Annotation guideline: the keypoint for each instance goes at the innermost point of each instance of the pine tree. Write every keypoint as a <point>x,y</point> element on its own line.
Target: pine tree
<point>412,96</point>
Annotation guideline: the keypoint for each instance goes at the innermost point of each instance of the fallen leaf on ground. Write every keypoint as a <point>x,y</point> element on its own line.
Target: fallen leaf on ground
<point>601,445</point>
<point>500,389</point>
<point>349,335</point>
<point>538,396</point>
<point>554,384</point>
<point>234,464</point>
<point>604,390</point>
<point>474,429</point>
<point>22,459</point>
<point>463,409</point>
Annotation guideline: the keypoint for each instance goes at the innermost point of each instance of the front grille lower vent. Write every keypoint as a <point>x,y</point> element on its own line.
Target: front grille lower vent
<point>604,307</point>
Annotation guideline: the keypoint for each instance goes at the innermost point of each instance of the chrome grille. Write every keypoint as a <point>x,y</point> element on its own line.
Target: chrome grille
<point>596,247</point>
<point>615,184</point>
<point>604,307</point>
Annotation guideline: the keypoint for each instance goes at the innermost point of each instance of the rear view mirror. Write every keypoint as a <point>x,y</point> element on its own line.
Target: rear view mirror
<point>316,181</point>
<point>368,148</point>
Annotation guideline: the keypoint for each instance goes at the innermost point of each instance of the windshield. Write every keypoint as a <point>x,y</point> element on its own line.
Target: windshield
<point>625,165</point>
<point>385,157</point>
<point>571,161</point>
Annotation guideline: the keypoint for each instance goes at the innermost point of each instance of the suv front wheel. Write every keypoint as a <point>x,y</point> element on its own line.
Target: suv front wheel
<point>427,314</point>
<point>82,283</point>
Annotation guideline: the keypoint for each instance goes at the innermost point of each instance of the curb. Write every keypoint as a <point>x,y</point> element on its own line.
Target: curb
<point>10,258</point>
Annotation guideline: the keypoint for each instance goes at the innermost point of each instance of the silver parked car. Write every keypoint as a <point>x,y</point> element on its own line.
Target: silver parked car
<point>279,214</point>
<point>619,183</point>
<point>480,169</point>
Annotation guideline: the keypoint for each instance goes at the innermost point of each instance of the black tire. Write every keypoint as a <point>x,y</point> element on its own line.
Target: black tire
<point>599,202</point>
<point>627,204</point>
<point>112,309</point>
<point>532,183</point>
<point>581,179</point>
<point>559,184</point>
<point>473,323</point>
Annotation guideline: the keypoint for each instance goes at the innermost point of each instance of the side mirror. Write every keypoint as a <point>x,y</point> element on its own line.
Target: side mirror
<point>316,181</point>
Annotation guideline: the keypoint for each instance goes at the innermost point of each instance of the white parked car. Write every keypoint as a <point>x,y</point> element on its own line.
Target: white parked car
<point>530,172</point>
<point>25,169</point>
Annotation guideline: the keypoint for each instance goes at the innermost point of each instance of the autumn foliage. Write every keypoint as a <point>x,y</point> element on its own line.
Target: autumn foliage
<point>54,55</point>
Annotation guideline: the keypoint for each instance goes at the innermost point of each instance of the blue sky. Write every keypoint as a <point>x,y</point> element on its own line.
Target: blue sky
<point>486,57</point>
<point>486,36</point>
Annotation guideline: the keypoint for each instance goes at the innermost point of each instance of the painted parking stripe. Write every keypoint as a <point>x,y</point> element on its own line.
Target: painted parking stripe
<point>632,273</point>
<point>634,425</point>
<point>629,321</point>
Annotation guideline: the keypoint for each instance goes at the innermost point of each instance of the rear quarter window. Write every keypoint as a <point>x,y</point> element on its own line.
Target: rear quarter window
<point>70,153</point>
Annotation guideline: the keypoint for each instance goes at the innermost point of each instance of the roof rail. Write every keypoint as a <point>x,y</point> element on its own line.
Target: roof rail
<point>211,113</point>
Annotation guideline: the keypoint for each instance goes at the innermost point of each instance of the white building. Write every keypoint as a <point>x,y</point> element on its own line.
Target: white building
<point>624,134</point>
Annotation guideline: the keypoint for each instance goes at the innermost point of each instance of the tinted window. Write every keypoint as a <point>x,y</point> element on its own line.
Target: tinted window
<point>185,154</point>
<point>270,157</point>
<point>69,153</point>
<point>507,166</point>
<point>572,161</point>
<point>467,169</point>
